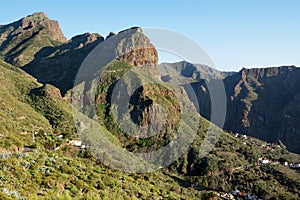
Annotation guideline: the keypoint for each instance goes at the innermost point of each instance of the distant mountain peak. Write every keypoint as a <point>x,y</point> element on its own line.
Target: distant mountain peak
<point>40,18</point>
<point>86,38</point>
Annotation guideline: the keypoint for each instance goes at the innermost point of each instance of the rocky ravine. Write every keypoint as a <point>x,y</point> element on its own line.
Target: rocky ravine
<point>262,102</point>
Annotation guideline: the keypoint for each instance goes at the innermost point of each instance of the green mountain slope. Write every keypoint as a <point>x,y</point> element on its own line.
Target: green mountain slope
<point>17,116</point>
<point>71,172</point>
<point>227,165</point>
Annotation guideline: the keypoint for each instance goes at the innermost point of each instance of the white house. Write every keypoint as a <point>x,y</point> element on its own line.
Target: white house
<point>296,166</point>
<point>76,143</point>
<point>265,161</point>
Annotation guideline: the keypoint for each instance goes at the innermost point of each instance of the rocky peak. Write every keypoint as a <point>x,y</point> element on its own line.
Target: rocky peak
<point>110,35</point>
<point>84,39</point>
<point>35,17</point>
<point>21,40</point>
<point>136,48</point>
<point>41,19</point>
<point>130,46</point>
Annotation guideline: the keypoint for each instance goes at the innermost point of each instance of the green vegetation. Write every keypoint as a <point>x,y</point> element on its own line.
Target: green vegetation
<point>73,173</point>
<point>17,116</point>
<point>47,101</point>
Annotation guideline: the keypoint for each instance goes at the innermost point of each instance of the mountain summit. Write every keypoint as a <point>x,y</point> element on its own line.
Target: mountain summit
<point>21,40</point>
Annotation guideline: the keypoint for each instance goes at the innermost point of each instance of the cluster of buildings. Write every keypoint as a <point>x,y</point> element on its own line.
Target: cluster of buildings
<point>237,135</point>
<point>265,161</point>
<point>237,194</point>
<point>243,195</point>
<point>76,143</point>
<point>291,165</point>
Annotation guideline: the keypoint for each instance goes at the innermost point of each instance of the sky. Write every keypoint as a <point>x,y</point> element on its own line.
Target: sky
<point>234,33</point>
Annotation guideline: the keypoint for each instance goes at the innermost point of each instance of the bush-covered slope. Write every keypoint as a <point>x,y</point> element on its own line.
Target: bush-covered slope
<point>234,161</point>
<point>17,117</point>
<point>35,170</point>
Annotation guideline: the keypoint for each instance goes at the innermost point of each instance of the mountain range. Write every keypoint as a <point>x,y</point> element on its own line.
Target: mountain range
<point>38,68</point>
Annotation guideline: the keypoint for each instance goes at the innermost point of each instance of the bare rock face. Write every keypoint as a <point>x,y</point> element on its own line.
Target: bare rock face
<point>132,46</point>
<point>142,52</point>
<point>155,107</point>
<point>140,57</point>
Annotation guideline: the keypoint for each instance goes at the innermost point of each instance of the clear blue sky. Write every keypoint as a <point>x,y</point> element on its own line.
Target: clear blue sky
<point>234,33</point>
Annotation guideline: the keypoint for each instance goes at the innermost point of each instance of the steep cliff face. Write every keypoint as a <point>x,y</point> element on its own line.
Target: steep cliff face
<point>260,101</point>
<point>141,52</point>
<point>132,46</point>
<point>21,40</point>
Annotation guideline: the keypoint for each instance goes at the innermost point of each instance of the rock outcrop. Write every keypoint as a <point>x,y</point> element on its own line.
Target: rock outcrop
<point>141,52</point>
<point>47,91</point>
<point>132,46</point>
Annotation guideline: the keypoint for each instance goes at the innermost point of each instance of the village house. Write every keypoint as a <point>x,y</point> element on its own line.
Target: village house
<point>296,166</point>
<point>245,137</point>
<point>264,161</point>
<point>76,143</point>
